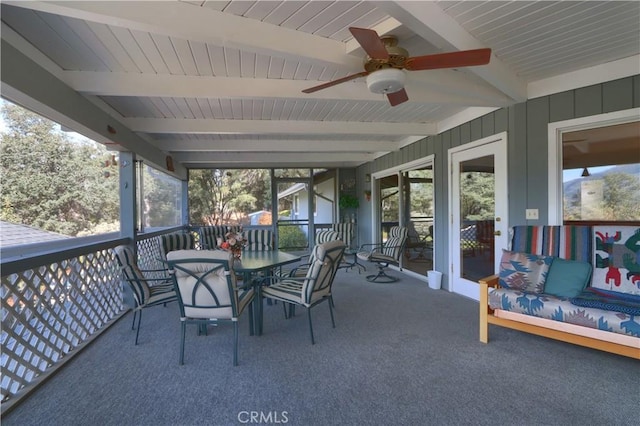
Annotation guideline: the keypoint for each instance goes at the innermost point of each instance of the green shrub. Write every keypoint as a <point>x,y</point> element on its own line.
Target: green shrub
<point>291,237</point>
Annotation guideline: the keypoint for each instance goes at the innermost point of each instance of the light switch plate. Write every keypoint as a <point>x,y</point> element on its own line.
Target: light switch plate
<point>532,214</point>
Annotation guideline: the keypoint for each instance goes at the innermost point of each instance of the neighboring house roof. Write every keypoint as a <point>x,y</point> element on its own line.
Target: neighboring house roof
<point>14,234</point>
<point>292,190</point>
<point>259,212</point>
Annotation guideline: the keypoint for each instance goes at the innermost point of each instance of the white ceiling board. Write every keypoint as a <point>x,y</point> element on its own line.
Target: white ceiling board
<point>226,77</point>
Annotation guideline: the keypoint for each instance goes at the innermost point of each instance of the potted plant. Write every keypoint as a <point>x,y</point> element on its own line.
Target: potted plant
<point>348,201</point>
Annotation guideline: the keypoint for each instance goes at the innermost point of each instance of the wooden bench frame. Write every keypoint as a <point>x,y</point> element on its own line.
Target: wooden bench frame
<point>578,335</point>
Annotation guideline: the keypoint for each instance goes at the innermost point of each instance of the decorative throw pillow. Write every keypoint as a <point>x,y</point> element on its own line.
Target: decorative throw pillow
<point>524,271</point>
<point>616,258</point>
<point>567,278</point>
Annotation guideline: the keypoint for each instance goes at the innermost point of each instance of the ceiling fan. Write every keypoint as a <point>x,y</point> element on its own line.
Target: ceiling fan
<point>386,61</point>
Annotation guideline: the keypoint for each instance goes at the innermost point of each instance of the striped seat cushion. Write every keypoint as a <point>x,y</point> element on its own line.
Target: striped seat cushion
<point>345,232</point>
<point>258,239</point>
<point>161,293</point>
<point>209,236</point>
<point>527,239</point>
<point>176,241</point>
<point>395,242</point>
<point>569,242</point>
<point>244,298</point>
<point>326,236</point>
<point>285,290</point>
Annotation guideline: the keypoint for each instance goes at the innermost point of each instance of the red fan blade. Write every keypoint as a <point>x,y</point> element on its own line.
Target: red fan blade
<point>396,98</point>
<point>465,58</point>
<point>370,42</point>
<point>334,82</point>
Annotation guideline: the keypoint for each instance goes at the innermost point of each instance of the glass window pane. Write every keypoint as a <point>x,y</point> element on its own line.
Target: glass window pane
<point>389,204</point>
<point>477,213</point>
<point>162,195</point>
<point>56,183</point>
<point>230,197</point>
<point>601,174</point>
<point>419,219</point>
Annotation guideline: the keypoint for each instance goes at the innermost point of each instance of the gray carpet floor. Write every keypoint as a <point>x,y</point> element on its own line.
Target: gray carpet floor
<point>401,354</point>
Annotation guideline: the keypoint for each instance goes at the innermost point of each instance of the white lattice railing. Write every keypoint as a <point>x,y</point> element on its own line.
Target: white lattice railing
<point>52,308</point>
<point>55,303</point>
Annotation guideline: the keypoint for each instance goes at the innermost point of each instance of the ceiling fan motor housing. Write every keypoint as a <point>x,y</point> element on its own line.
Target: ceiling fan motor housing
<point>386,80</point>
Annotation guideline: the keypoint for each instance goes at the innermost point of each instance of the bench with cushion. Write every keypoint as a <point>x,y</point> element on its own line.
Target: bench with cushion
<point>578,284</point>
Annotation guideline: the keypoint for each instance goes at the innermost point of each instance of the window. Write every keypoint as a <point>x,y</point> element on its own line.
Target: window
<point>230,196</point>
<point>161,199</point>
<point>601,174</point>
<point>56,183</point>
<point>594,165</point>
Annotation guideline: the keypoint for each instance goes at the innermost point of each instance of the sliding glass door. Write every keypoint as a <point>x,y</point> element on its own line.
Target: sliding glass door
<point>405,198</point>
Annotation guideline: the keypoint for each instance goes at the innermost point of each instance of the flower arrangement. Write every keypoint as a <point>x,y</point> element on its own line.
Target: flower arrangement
<point>233,243</point>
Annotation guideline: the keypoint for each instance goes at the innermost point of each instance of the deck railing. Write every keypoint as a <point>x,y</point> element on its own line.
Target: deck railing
<point>54,304</point>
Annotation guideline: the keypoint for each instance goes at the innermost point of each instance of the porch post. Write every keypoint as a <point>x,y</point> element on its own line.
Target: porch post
<point>128,195</point>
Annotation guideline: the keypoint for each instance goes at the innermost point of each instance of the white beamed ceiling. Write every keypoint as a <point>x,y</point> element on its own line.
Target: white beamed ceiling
<point>219,83</point>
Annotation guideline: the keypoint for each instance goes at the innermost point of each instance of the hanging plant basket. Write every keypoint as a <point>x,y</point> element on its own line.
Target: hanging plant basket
<point>348,201</point>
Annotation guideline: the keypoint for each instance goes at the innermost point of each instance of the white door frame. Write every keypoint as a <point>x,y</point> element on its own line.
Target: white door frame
<point>375,213</point>
<point>495,145</point>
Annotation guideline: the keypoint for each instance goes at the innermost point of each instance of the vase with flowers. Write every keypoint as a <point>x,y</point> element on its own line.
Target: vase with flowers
<point>234,242</point>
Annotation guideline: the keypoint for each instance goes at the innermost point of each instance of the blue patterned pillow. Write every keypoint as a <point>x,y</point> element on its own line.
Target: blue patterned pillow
<point>524,271</point>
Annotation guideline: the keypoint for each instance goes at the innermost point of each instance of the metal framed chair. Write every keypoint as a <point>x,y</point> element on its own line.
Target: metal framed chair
<point>385,254</point>
<point>419,247</point>
<point>147,292</point>
<point>312,289</point>
<point>208,292</point>
<point>301,270</point>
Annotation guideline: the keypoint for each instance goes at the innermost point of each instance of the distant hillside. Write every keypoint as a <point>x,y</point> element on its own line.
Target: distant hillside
<point>572,187</point>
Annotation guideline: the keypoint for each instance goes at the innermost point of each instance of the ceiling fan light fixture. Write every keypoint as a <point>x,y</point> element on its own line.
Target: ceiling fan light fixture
<point>386,80</point>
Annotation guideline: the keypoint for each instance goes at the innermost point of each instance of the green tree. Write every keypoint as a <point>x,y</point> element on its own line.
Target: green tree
<point>621,197</point>
<point>221,196</point>
<point>161,199</point>
<point>51,182</point>
<point>477,196</point>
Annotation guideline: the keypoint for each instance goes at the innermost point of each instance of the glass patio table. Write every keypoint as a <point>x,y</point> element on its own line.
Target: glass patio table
<point>254,262</point>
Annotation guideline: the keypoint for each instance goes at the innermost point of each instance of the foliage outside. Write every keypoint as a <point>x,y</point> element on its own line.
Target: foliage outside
<point>291,237</point>
<point>613,195</point>
<point>477,191</point>
<point>52,182</point>
<point>218,196</point>
<point>162,199</point>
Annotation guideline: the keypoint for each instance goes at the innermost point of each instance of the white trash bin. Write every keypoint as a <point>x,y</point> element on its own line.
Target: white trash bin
<point>435,279</point>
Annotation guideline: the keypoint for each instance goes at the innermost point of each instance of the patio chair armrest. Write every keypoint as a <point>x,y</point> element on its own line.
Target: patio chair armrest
<point>150,280</point>
<point>272,279</point>
<point>363,247</point>
<point>166,272</point>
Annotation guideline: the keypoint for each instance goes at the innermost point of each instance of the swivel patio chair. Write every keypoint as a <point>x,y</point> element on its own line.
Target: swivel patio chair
<point>385,254</point>
<point>419,247</point>
<point>208,292</point>
<point>147,292</point>
<point>312,289</point>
